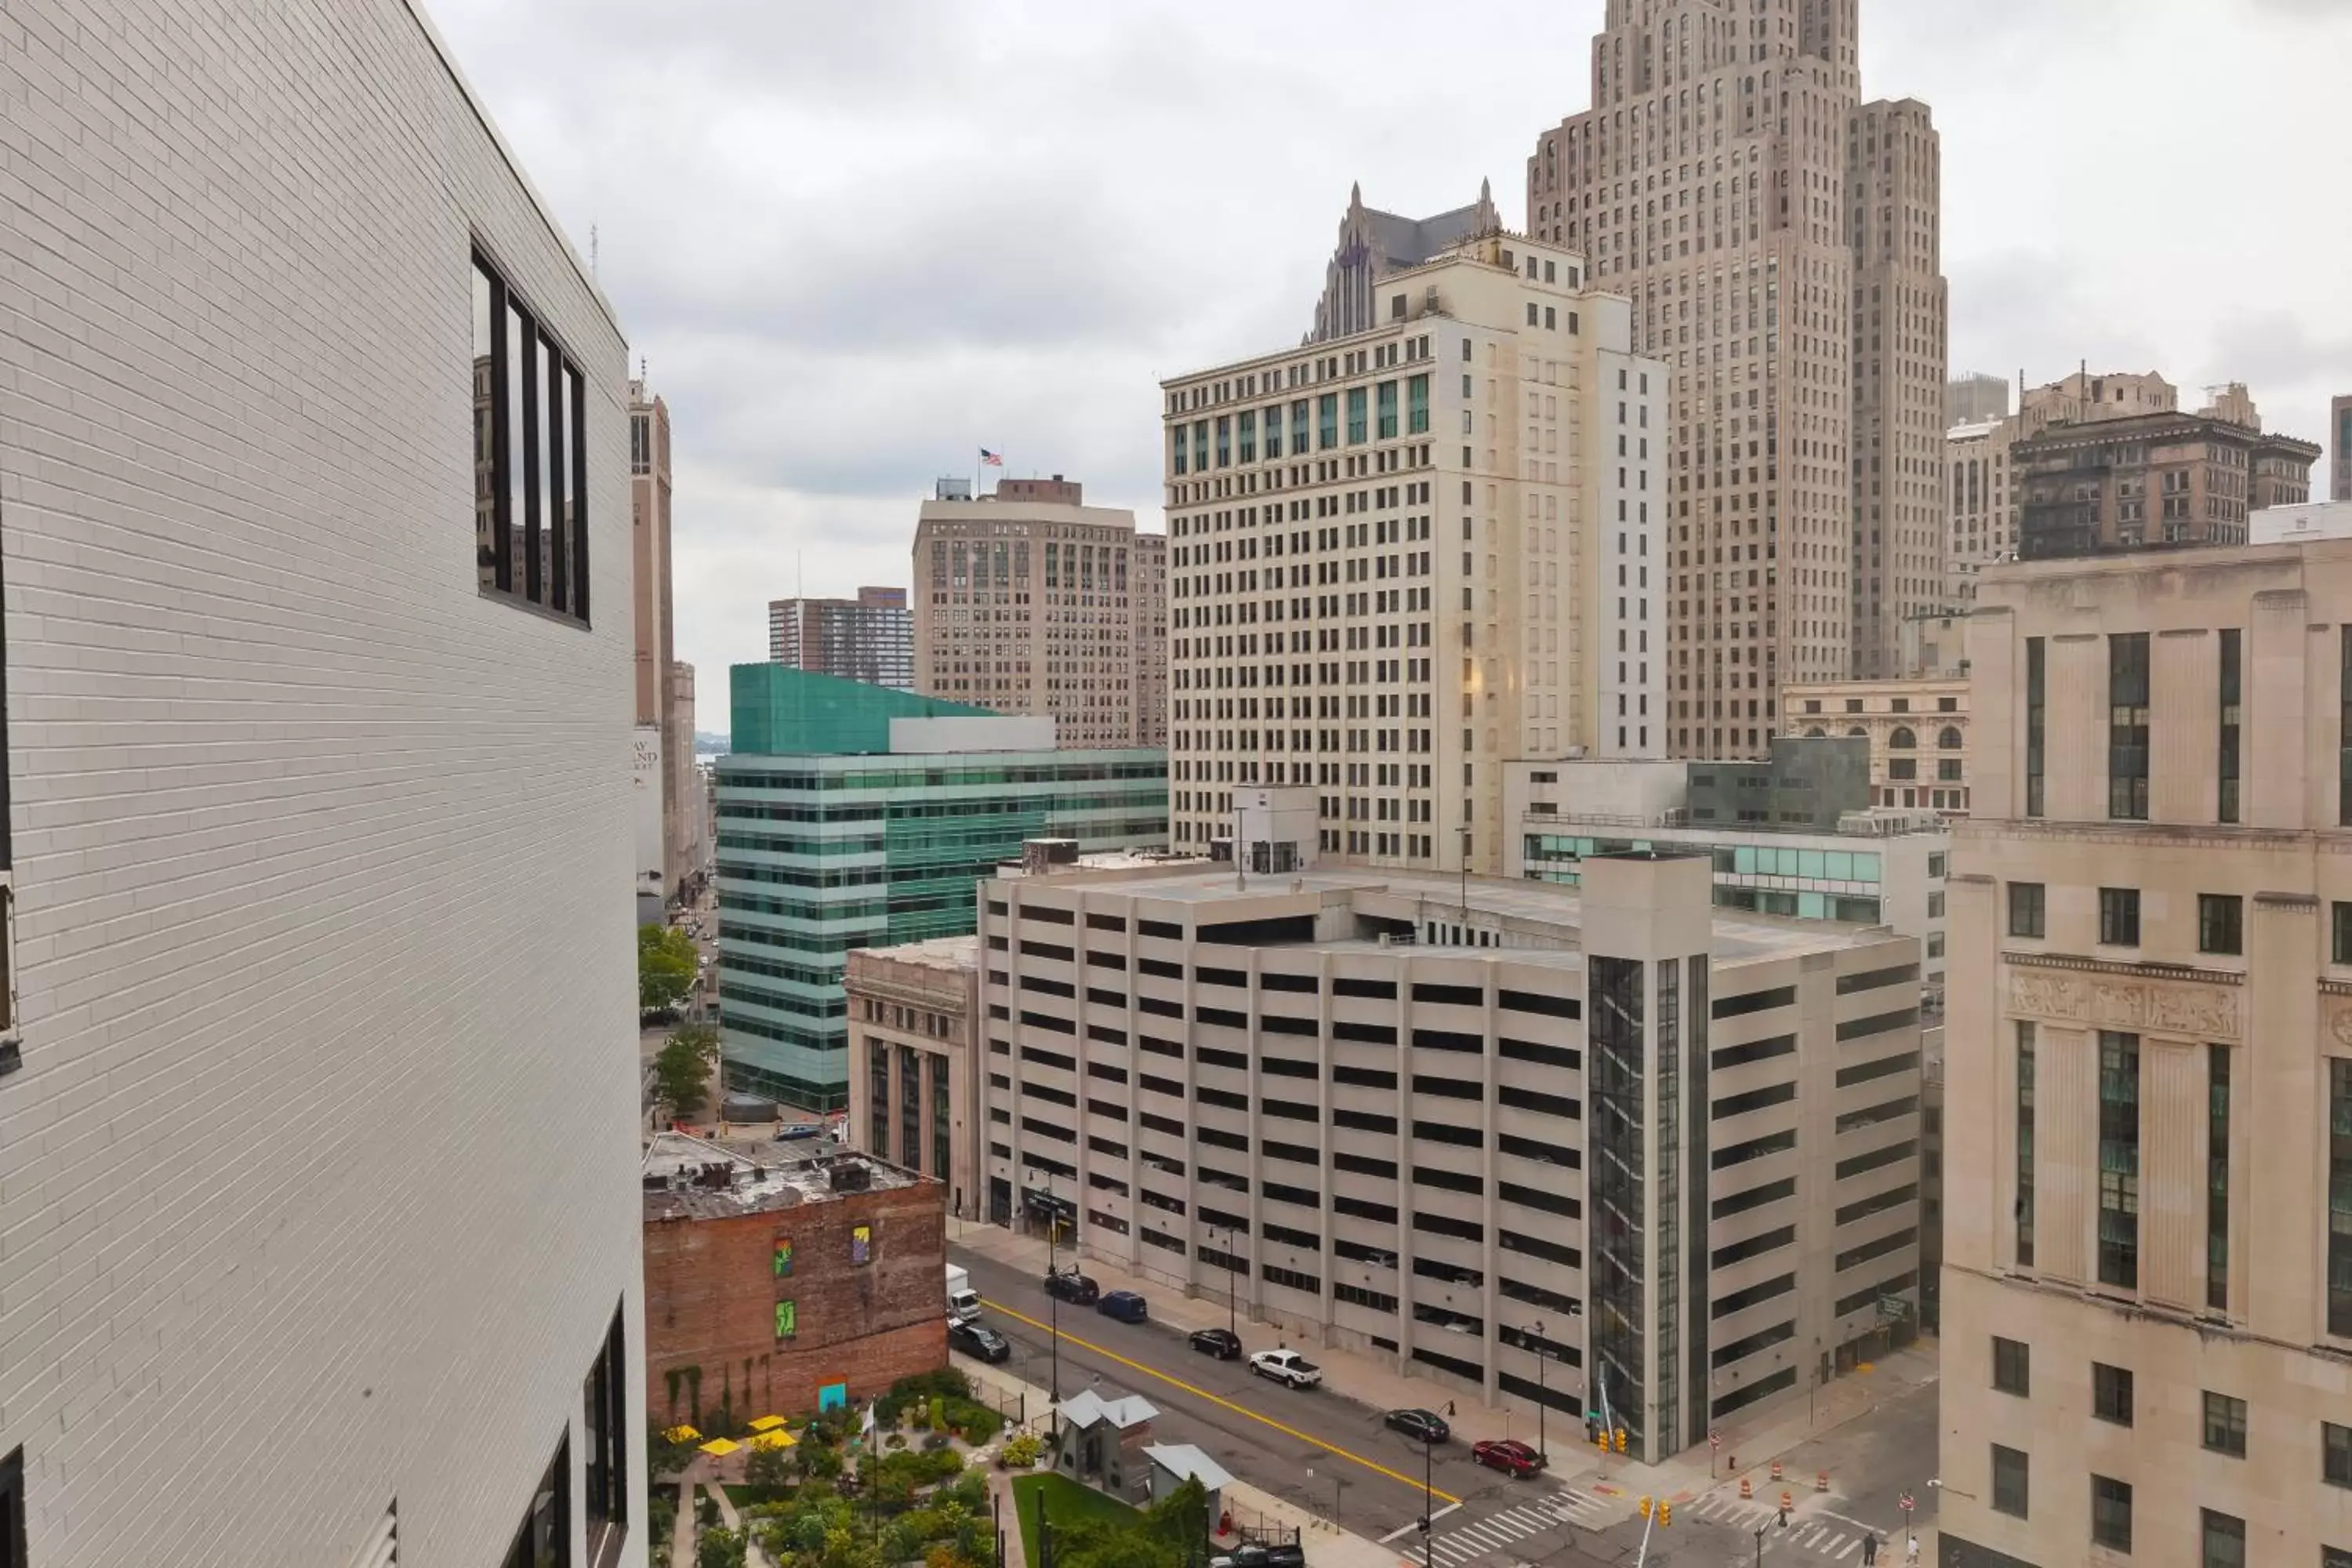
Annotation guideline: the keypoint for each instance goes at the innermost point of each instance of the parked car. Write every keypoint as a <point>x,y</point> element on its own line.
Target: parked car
<point>1255,1554</point>
<point>1420,1426</point>
<point>1287,1367</point>
<point>1223,1343</point>
<point>979,1341</point>
<point>1069,1285</point>
<point>793,1131</point>
<point>1507,1455</point>
<point>1124,1305</point>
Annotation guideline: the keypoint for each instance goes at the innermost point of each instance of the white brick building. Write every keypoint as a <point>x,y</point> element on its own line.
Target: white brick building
<point>318,1188</point>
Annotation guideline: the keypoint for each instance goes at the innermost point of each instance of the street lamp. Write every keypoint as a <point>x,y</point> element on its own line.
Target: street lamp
<point>1233,1290</point>
<point>1053,1296</point>
<point>1542,1451</point>
<point>1428,1502</point>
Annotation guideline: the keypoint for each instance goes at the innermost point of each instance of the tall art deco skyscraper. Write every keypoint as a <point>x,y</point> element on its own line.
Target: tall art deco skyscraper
<point>1778,239</point>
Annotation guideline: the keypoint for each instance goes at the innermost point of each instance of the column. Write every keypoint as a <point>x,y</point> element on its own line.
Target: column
<point>2172,1172</point>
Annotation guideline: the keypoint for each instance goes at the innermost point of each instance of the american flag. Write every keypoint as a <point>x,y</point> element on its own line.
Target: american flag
<point>992,459</point>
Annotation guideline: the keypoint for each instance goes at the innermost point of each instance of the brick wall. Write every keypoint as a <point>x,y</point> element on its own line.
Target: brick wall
<point>711,1293</point>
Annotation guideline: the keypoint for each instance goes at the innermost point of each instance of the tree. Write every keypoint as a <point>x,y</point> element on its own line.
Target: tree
<point>682,1069</point>
<point>720,1547</point>
<point>665,967</point>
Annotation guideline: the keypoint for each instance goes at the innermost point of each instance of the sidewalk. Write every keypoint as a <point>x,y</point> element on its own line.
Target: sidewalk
<point>1354,1375</point>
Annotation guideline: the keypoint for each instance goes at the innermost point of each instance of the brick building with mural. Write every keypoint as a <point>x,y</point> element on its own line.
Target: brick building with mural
<point>783,1277</point>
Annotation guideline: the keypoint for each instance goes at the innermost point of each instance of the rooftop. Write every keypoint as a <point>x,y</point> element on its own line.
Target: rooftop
<point>688,1177</point>
<point>1087,1407</point>
<point>938,952</point>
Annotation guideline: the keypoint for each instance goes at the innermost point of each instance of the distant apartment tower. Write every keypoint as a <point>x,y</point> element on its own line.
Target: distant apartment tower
<point>329,902</point>
<point>869,638</point>
<point>2148,1279</point>
<point>1027,601</point>
<point>1399,558</point>
<point>2132,481</point>
<point>2339,424</point>
<point>1778,240</point>
<point>1975,398</point>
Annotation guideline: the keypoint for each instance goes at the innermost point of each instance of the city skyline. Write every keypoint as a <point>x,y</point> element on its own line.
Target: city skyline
<point>1056,343</point>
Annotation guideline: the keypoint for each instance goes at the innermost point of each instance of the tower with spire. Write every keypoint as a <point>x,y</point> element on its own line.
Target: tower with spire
<point>1373,244</point>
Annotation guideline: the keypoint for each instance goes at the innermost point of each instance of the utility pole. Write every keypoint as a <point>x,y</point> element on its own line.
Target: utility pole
<point>1428,1501</point>
<point>1542,1452</point>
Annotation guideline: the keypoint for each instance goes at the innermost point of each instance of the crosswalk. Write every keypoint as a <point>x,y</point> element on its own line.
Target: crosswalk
<point>1472,1540</point>
<point>1831,1537</point>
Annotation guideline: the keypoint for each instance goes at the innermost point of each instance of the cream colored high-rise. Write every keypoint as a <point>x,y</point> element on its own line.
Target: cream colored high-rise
<point>1029,601</point>
<point>1400,557</point>
<point>2148,1285</point>
<point>1778,239</point>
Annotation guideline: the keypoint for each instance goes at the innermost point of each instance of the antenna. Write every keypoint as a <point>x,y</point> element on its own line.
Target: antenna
<point>592,250</point>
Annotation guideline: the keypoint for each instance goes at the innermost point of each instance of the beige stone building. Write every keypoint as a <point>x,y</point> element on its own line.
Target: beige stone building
<point>1027,601</point>
<point>660,686</point>
<point>1778,240</point>
<point>1612,1148</point>
<point>1399,558</point>
<point>1975,398</point>
<point>914,1094</point>
<point>2339,424</point>
<point>2147,1281</point>
<point>1919,732</point>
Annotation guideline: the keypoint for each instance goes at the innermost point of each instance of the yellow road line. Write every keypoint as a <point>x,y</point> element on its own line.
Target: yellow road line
<point>1177,1382</point>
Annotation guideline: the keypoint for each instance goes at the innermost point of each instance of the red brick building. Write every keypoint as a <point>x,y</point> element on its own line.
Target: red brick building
<point>778,1272</point>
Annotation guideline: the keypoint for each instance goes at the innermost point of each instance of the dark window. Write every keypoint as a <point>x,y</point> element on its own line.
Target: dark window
<point>14,1549</point>
<point>2012,1367</point>
<point>1754,1197</point>
<point>2224,1540</point>
<point>2336,1454</point>
<point>1753,1002</point>
<point>1731,1154</point>
<point>544,1541</point>
<point>1377,990</point>
<point>2024,1145</point>
<point>530,467</point>
<point>1872,979</point>
<point>1753,1051</point>
<point>1752,1099</point>
<point>1530,1002</point>
<point>1876,1024</point>
<point>2119,917</point>
<point>2111,1393</point>
<point>604,1430</point>
<point>2111,1513</point>
<point>2127,726</point>
<point>2009,1471</point>
<point>2119,1160</point>
<point>1894,1241</point>
<point>2339,944</point>
<point>1458,996</point>
<point>2220,924</point>
<point>1762,1290</point>
<point>2232,704</point>
<point>2339,1197</point>
<point>1907,1149</point>
<point>2217,1177</point>
<point>1754,1246</point>
<point>2225,1424</point>
<point>2027,909</point>
<point>1863,1072</point>
<point>2036,691</point>
<point>2344,731</point>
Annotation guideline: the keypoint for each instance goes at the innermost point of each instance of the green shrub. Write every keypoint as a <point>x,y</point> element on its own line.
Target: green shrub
<point>1022,1451</point>
<point>978,1423</point>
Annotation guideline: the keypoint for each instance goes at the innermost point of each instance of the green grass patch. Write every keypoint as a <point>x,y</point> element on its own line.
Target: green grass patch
<point>1064,1500</point>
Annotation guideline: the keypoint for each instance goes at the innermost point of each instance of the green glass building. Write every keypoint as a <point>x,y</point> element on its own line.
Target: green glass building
<point>854,816</point>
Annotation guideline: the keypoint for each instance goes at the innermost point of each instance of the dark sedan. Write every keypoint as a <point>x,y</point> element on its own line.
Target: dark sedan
<point>1223,1343</point>
<point>1420,1426</point>
<point>979,1341</point>
<point>1069,1285</point>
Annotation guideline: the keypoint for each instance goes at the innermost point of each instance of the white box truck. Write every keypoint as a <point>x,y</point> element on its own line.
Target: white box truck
<point>963,1301</point>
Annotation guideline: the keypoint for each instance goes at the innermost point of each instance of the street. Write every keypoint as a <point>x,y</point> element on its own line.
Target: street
<point>1367,1477</point>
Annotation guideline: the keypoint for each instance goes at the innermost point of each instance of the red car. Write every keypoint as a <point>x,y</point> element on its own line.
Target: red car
<point>1511,1457</point>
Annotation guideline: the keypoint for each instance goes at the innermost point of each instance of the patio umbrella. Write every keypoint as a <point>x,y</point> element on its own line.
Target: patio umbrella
<point>682,1433</point>
<point>719,1447</point>
<point>775,1440</point>
<point>766,1423</point>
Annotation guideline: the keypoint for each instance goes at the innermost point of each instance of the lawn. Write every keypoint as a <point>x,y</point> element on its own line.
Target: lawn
<point>1064,1499</point>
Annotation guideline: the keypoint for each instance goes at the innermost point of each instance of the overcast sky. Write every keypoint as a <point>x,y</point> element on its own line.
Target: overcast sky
<point>855,243</point>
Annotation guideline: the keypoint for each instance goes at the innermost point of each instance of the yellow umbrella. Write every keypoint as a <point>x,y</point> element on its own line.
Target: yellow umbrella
<point>775,1440</point>
<point>719,1447</point>
<point>766,1423</point>
<point>681,1433</point>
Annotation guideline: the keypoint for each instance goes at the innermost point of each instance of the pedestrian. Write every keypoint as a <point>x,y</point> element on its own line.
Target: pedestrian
<point>1870,1549</point>
<point>1911,1550</point>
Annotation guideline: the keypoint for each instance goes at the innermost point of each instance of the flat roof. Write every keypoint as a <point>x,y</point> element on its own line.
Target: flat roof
<point>709,1178</point>
<point>937,952</point>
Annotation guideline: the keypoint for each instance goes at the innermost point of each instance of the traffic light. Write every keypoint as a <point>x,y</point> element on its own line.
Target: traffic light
<point>1665,1512</point>
<point>1645,1508</point>
<point>1620,1439</point>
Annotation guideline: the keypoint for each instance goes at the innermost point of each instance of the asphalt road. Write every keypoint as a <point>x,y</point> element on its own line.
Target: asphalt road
<point>1266,1435</point>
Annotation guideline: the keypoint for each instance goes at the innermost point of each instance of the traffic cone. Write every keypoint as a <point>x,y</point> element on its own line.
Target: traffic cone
<point>1747,1489</point>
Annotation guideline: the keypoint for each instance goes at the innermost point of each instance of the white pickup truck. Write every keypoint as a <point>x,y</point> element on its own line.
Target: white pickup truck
<point>1286,1366</point>
<point>963,1301</point>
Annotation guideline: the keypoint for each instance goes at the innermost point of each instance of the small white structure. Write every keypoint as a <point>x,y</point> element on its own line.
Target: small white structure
<point>2311,520</point>
<point>1173,1464</point>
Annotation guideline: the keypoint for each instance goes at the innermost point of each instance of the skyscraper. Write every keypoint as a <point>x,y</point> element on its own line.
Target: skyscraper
<point>1373,244</point>
<point>1778,240</point>
<point>1463,570</point>
<point>1027,601</point>
<point>658,684</point>
<point>2147,1280</point>
<point>2339,425</point>
<point>317,1052</point>
<point>869,638</point>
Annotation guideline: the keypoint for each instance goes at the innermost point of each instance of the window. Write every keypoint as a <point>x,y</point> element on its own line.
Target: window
<point>604,1429</point>
<point>2339,1197</point>
<point>2220,924</point>
<point>2336,1454</point>
<point>2111,1393</point>
<point>2024,1145</point>
<point>1417,406</point>
<point>1357,404</point>
<point>2111,1513</point>
<point>2224,1540</point>
<point>2226,806</point>
<point>2225,1424</point>
<point>2036,686</point>
<point>531,462</point>
<point>2217,1177</point>
<point>1902,740</point>
<point>2007,1481</point>
<point>2012,1367</point>
<point>2339,933</point>
<point>2127,726</point>
<point>544,1541</point>
<point>2344,732</point>
<point>2026,909</point>
<point>2119,1160</point>
<point>2119,917</point>
<point>13,1546</point>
